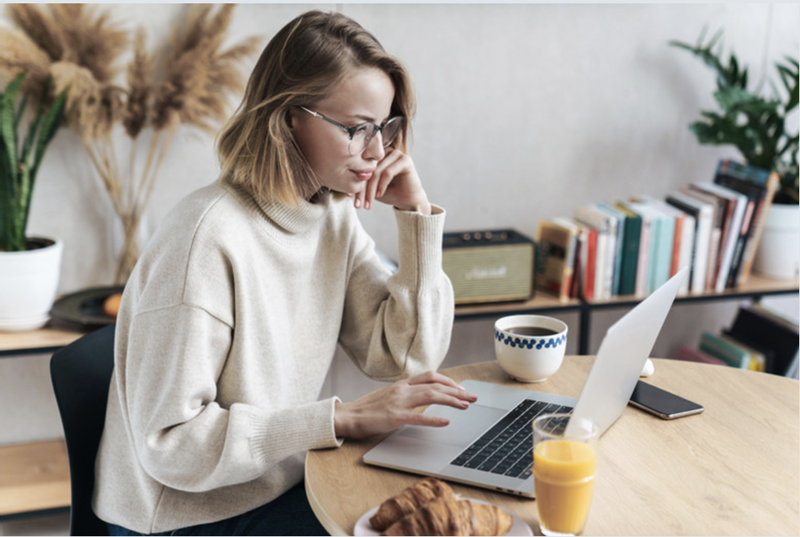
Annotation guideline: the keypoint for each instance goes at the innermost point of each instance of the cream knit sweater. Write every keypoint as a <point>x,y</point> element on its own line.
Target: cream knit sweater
<point>226,331</point>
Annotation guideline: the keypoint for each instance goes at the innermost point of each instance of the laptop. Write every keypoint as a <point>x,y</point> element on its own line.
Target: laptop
<point>489,444</point>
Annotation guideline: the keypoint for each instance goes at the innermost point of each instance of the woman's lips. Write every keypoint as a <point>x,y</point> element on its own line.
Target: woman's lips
<point>363,175</point>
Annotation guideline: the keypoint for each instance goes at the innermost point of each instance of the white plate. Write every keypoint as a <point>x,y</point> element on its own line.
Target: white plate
<point>363,527</point>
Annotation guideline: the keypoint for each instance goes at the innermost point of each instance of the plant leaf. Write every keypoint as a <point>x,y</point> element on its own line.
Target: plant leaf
<point>7,120</point>
<point>20,111</point>
<point>50,125</point>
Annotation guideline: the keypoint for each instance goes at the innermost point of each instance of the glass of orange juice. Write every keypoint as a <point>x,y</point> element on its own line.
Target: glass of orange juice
<point>564,461</point>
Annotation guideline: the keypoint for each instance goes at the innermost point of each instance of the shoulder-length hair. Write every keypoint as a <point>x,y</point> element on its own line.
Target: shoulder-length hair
<point>299,66</point>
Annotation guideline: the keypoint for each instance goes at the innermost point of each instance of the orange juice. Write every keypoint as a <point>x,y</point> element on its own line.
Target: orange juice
<point>563,472</point>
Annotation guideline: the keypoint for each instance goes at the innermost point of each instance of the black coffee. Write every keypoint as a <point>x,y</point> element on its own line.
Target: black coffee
<point>531,331</point>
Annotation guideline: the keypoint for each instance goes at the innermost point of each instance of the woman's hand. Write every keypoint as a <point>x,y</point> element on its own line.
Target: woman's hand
<point>395,182</point>
<point>392,407</point>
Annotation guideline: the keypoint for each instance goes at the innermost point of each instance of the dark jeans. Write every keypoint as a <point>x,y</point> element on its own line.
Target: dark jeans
<point>288,514</point>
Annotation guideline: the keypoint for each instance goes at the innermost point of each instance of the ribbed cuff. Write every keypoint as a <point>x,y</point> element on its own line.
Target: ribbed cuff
<point>293,430</point>
<point>420,245</point>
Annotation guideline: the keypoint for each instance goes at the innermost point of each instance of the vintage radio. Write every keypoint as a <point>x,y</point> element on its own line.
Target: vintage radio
<point>489,266</point>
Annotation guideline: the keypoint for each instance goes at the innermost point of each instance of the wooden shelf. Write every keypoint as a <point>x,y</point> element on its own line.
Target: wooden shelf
<point>34,477</point>
<point>540,302</point>
<point>46,339</point>
<point>756,286</point>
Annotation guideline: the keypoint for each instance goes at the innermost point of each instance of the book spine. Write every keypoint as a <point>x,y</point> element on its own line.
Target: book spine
<point>643,265</point>
<point>716,346</point>
<point>759,221</point>
<point>630,256</point>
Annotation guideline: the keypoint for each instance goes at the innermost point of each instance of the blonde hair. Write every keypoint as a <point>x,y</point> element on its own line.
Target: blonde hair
<point>299,66</point>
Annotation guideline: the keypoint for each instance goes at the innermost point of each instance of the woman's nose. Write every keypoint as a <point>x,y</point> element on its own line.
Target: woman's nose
<point>375,149</point>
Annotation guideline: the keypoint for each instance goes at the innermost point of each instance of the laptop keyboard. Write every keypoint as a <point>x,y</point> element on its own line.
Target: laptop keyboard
<point>505,449</point>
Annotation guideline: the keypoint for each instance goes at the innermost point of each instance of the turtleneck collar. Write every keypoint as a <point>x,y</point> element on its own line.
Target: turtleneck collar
<point>292,220</point>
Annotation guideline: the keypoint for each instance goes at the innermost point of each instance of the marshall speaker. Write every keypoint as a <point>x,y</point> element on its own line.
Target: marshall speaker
<point>489,266</point>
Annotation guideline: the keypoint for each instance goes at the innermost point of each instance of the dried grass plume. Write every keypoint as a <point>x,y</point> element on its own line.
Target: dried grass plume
<point>188,81</point>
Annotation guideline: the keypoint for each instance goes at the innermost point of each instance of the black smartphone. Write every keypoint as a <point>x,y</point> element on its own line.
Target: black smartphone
<point>662,403</point>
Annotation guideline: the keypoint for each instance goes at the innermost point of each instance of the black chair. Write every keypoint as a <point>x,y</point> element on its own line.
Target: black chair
<point>81,374</point>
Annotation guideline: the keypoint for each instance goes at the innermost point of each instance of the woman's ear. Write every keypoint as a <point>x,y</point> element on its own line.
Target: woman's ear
<point>290,118</point>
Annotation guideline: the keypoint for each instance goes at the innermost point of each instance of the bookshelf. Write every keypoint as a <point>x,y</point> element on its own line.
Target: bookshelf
<point>756,287</point>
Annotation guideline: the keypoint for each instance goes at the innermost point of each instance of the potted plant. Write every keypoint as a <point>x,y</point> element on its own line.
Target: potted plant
<point>29,266</point>
<point>756,125</point>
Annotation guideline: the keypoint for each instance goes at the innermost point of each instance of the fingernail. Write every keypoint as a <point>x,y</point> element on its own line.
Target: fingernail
<point>367,204</point>
<point>460,387</point>
<point>464,404</point>
<point>358,202</point>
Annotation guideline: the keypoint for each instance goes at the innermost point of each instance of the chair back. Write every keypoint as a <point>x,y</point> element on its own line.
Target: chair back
<point>81,374</point>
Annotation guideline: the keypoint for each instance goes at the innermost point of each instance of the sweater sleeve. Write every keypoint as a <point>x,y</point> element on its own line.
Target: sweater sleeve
<point>399,325</point>
<point>185,434</point>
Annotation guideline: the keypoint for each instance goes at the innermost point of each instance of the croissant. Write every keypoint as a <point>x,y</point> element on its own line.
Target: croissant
<point>408,501</point>
<point>449,516</point>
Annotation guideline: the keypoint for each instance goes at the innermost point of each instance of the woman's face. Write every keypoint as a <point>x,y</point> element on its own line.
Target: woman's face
<point>364,96</point>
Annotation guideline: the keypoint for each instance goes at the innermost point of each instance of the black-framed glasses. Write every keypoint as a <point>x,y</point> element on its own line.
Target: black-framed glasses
<point>361,135</point>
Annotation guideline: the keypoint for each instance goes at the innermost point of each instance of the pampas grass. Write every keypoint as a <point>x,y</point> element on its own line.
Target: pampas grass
<point>185,82</point>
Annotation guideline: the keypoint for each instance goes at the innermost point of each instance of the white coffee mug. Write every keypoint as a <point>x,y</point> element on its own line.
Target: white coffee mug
<point>530,348</point>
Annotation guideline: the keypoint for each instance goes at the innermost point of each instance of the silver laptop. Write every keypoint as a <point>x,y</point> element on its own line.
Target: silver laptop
<point>489,444</point>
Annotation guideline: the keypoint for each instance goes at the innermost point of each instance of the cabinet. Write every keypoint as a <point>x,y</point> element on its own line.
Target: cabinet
<point>34,477</point>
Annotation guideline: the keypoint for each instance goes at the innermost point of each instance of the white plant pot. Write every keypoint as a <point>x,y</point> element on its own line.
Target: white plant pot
<point>778,253</point>
<point>28,285</point>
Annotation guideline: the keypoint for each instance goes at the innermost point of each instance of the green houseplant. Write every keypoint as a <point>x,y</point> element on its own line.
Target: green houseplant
<point>19,162</point>
<point>29,266</point>
<point>755,124</point>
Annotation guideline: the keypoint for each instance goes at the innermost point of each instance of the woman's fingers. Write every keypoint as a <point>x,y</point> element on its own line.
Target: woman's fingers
<point>397,405</point>
<point>377,185</point>
<point>433,376</point>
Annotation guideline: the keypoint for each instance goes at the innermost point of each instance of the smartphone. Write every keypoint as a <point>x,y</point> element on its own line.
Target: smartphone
<point>662,403</point>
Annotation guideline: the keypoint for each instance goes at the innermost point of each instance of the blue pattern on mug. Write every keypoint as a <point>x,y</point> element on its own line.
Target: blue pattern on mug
<point>547,343</point>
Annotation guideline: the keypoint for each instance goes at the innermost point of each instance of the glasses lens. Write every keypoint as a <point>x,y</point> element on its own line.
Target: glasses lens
<point>361,138</point>
<point>391,130</point>
<point>364,135</point>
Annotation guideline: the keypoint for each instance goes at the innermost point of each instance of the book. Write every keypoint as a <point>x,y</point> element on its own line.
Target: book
<point>617,229</point>
<point>578,266</point>
<point>703,215</point>
<point>736,176</point>
<point>754,194</point>
<point>605,249</point>
<point>683,242</point>
<point>688,353</point>
<point>759,329</point>
<point>757,358</point>
<point>718,216</point>
<point>579,253</point>
<point>584,263</point>
<point>661,243</point>
<point>765,356</point>
<point>630,250</point>
<point>733,355</point>
<point>556,255</point>
<point>734,206</point>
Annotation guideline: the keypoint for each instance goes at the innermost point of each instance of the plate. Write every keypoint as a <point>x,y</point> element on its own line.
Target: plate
<point>85,307</point>
<point>363,527</point>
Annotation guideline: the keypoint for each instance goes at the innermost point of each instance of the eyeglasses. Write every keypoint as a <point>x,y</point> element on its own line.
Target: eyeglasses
<point>362,135</point>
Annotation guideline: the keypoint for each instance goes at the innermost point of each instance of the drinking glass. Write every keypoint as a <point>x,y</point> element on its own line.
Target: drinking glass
<point>564,462</point>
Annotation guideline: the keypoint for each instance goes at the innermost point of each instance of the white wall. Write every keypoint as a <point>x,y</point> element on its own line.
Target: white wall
<point>524,112</point>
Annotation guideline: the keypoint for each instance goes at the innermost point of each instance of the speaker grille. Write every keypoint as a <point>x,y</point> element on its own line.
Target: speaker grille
<point>490,273</point>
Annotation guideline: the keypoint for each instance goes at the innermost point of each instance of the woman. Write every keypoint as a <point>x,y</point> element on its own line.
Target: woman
<point>230,320</point>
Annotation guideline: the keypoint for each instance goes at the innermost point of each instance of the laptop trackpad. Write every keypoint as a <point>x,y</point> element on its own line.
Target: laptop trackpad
<point>471,423</point>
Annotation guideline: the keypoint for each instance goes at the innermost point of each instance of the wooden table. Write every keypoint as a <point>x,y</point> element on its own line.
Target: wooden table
<point>732,470</point>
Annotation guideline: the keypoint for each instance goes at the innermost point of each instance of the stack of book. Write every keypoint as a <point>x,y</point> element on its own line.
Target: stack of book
<point>632,247</point>
<point>758,340</point>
